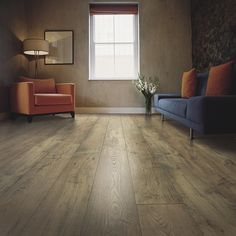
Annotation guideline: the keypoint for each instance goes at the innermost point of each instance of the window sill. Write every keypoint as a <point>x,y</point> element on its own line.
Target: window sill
<point>113,79</point>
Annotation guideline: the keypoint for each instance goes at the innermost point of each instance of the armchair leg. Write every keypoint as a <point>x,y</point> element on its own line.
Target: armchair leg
<point>29,118</point>
<point>72,114</point>
<point>191,134</point>
<point>13,116</point>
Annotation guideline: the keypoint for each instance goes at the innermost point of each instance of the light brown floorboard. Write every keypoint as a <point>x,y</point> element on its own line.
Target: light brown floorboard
<point>152,185</point>
<point>114,175</point>
<point>206,183</point>
<point>166,219</point>
<point>112,209</point>
<point>62,211</point>
<point>21,200</point>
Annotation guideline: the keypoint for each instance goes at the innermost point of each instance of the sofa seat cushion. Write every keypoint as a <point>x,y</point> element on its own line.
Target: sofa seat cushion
<point>177,106</point>
<point>52,99</point>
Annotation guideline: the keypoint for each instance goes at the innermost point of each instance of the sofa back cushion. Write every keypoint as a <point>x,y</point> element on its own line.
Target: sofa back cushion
<point>220,80</point>
<point>189,83</point>
<point>41,85</point>
<point>201,83</point>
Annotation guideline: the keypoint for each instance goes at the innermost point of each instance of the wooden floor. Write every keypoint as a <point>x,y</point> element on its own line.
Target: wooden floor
<point>114,175</point>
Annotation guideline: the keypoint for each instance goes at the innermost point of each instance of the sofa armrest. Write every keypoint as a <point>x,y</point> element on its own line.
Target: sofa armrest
<point>66,88</point>
<point>157,97</point>
<point>216,102</point>
<point>22,97</point>
<point>213,111</point>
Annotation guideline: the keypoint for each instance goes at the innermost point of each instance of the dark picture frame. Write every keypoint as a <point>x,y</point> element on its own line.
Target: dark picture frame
<point>61,47</point>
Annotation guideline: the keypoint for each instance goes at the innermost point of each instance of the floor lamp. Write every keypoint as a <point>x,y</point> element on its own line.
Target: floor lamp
<point>36,48</point>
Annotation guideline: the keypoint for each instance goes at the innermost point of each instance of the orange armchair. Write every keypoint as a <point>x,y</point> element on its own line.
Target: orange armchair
<point>37,97</point>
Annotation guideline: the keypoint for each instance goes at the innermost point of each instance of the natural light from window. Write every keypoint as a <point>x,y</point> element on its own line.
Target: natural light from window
<point>114,47</point>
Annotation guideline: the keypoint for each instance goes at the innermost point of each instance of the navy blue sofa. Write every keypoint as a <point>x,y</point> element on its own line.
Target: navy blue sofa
<point>204,114</point>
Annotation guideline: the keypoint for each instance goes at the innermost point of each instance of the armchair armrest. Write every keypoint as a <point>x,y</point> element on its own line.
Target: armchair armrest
<point>157,97</point>
<point>22,97</point>
<point>66,88</point>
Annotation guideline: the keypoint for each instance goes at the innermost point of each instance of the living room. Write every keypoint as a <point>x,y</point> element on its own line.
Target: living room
<point>117,117</point>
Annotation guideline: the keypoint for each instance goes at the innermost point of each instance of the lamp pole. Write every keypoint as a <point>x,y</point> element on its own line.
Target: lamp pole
<point>36,56</point>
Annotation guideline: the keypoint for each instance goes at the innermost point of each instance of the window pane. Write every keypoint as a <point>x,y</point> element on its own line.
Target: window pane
<point>104,61</point>
<point>124,60</point>
<point>113,47</point>
<point>103,31</point>
<point>124,28</point>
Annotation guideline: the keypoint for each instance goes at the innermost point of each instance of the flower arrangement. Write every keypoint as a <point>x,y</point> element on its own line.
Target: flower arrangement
<point>148,87</point>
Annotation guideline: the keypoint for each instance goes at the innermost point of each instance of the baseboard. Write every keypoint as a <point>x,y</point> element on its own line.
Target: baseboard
<point>112,110</point>
<point>4,116</point>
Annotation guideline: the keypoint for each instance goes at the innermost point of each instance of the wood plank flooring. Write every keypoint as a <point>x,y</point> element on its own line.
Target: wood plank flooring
<point>114,175</point>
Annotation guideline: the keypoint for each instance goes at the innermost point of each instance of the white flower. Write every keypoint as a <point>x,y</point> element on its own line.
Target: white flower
<point>148,86</point>
<point>139,86</point>
<point>152,88</point>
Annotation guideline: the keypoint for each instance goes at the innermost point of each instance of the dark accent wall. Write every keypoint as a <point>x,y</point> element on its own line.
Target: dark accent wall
<point>213,32</point>
<point>12,31</point>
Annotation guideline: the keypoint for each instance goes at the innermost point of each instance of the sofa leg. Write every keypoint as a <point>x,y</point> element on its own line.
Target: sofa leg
<point>162,118</point>
<point>72,114</point>
<point>191,134</point>
<point>29,118</point>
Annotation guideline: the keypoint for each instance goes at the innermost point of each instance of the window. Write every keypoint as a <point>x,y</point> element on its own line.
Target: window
<point>114,53</point>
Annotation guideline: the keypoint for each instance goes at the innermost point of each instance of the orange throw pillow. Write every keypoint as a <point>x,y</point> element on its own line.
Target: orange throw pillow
<point>41,85</point>
<point>189,84</point>
<point>220,80</point>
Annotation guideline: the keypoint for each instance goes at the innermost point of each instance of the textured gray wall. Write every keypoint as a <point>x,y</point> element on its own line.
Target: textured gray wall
<point>12,32</point>
<point>165,47</point>
<point>214,32</point>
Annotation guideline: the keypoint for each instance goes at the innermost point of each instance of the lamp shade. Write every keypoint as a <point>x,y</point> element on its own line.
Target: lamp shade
<point>39,46</point>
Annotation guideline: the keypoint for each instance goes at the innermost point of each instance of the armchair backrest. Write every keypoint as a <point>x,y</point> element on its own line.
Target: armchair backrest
<point>40,85</point>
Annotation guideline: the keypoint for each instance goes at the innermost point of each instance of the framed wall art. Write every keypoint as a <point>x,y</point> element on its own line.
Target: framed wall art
<point>61,47</point>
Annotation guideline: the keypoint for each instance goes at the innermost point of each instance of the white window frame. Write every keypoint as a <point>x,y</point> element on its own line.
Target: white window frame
<point>92,51</point>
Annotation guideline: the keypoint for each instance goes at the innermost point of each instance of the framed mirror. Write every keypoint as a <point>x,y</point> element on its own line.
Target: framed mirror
<point>61,47</point>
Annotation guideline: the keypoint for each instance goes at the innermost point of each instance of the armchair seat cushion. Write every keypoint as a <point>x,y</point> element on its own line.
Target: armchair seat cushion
<point>177,106</point>
<point>52,99</point>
